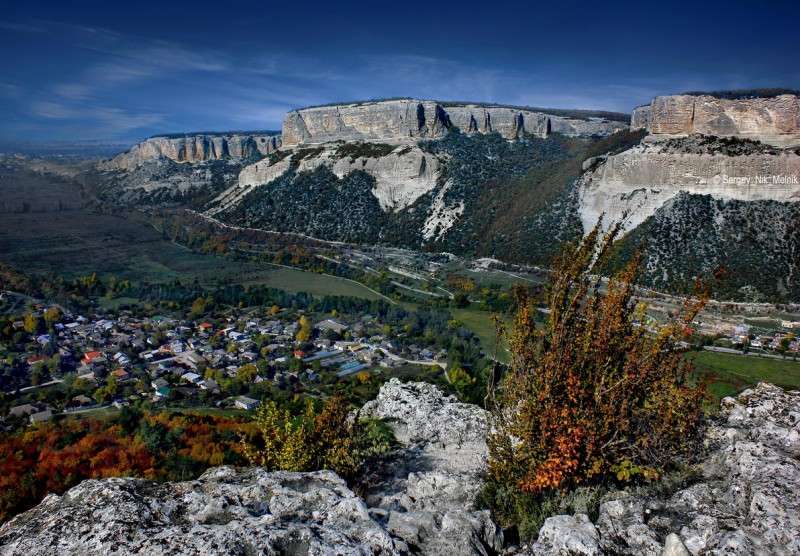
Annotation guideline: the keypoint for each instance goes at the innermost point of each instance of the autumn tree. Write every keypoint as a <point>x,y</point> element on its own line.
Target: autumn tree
<point>52,315</point>
<point>31,323</point>
<point>304,332</point>
<point>594,395</point>
<point>309,440</point>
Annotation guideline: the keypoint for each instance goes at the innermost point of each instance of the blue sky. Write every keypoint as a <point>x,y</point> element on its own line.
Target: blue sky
<point>123,71</point>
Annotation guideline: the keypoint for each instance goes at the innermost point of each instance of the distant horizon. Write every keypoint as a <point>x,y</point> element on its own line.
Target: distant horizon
<point>104,72</point>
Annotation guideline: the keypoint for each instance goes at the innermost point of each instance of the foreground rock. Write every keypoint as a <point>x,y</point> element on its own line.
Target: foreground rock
<point>420,500</point>
<point>223,512</point>
<point>746,502</point>
<point>424,495</point>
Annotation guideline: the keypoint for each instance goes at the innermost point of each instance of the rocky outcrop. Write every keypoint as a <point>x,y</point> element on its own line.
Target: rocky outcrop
<point>774,120</point>
<point>418,501</point>
<point>424,494</point>
<point>401,176</point>
<point>640,119</point>
<point>409,120</point>
<point>746,501</point>
<point>196,148</point>
<point>637,182</point>
<point>225,511</point>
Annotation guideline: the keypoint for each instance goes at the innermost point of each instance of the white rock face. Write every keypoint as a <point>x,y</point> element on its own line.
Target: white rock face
<point>401,177</point>
<point>640,119</point>
<point>425,494</point>
<point>568,535</point>
<point>195,148</point>
<point>250,177</point>
<point>634,184</point>
<point>225,511</point>
<point>442,216</point>
<point>408,120</point>
<point>417,501</point>
<point>773,120</point>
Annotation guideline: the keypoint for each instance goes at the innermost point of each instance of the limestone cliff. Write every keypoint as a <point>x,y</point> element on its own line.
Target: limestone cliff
<point>635,183</point>
<point>640,119</point>
<point>196,148</point>
<point>774,120</point>
<point>408,120</point>
<point>402,174</point>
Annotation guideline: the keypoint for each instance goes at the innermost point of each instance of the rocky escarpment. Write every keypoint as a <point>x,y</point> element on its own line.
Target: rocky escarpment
<point>711,171</point>
<point>640,118</point>
<point>408,120</point>
<point>419,501</point>
<point>774,120</point>
<point>402,174</point>
<point>746,501</point>
<point>196,148</point>
<point>633,184</point>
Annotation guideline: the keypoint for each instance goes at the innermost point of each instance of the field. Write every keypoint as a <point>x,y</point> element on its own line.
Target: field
<point>78,242</point>
<point>295,280</point>
<point>731,374</point>
<point>482,325</point>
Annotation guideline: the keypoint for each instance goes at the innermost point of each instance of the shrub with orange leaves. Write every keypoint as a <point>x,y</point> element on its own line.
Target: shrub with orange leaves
<point>595,395</point>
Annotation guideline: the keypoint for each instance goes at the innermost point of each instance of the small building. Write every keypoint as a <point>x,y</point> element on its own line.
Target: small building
<point>81,401</point>
<point>210,385</point>
<point>192,378</point>
<point>330,324</point>
<point>121,375</point>
<point>91,357</point>
<point>41,416</point>
<point>248,404</point>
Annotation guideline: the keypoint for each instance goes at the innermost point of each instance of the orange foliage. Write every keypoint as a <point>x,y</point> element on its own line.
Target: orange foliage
<point>53,457</point>
<point>593,394</point>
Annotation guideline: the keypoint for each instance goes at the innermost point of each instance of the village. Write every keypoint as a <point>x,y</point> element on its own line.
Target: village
<point>85,364</point>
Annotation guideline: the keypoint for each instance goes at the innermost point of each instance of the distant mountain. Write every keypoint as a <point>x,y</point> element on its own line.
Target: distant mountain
<point>699,180</point>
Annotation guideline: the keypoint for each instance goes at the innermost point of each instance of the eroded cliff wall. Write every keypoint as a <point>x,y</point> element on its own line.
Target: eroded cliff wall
<point>632,185</point>
<point>409,120</point>
<point>774,120</point>
<point>196,148</point>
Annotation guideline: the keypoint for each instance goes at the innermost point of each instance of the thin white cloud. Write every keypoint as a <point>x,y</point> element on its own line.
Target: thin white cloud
<point>21,27</point>
<point>103,119</point>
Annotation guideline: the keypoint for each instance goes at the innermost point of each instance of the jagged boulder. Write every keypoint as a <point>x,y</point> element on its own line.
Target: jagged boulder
<point>425,493</point>
<point>566,534</point>
<point>225,511</point>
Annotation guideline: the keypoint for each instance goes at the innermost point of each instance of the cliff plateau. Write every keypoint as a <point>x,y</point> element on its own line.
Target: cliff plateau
<point>773,120</point>
<point>409,120</point>
<point>196,148</point>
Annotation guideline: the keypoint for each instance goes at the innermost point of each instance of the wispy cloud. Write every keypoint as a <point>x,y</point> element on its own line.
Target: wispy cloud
<point>21,27</point>
<point>10,90</point>
<point>107,120</point>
